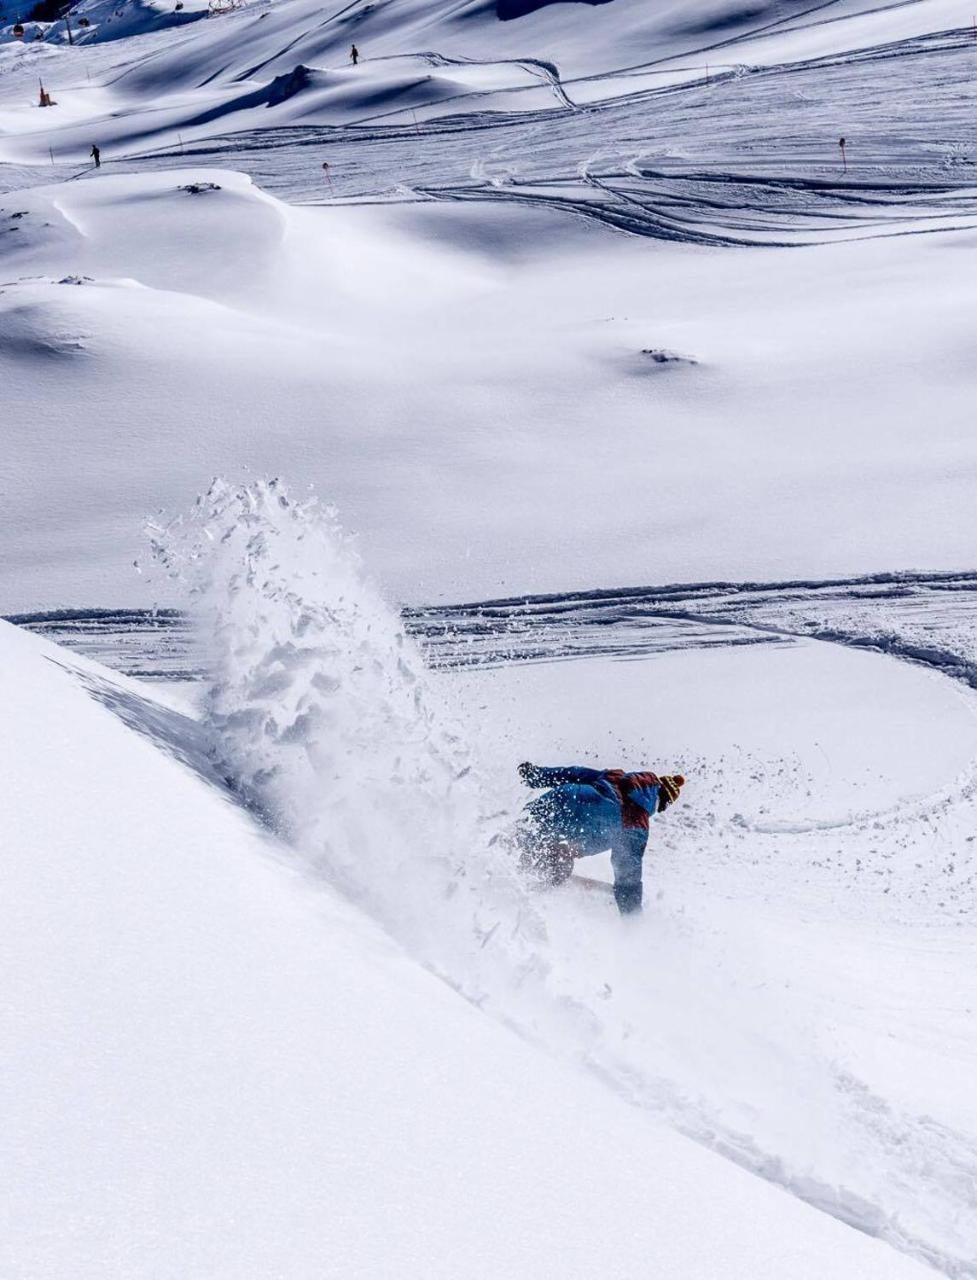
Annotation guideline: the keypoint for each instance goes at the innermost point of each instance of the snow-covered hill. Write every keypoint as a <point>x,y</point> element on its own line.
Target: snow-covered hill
<point>466,346</point>
<point>547,298</point>
<point>217,1066</point>
<point>796,988</point>
<point>421,366</point>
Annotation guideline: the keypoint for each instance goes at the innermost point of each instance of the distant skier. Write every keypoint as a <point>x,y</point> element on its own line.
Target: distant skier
<point>588,811</point>
<point>354,55</point>
<point>96,156</point>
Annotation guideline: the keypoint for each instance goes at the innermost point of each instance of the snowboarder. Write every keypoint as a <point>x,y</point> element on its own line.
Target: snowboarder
<point>96,156</point>
<point>588,811</point>
<point>354,55</point>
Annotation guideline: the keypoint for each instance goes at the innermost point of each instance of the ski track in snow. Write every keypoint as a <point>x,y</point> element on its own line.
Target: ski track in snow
<point>699,163</point>
<point>928,618</point>
<point>743,155</point>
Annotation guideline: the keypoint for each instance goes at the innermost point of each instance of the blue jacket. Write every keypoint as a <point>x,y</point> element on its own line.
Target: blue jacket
<point>598,809</point>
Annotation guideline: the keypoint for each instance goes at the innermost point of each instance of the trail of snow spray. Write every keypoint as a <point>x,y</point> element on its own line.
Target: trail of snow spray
<point>323,712</point>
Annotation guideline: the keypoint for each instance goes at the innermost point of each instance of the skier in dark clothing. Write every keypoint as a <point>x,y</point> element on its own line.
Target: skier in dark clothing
<point>588,811</point>
<point>96,156</point>
<point>354,55</point>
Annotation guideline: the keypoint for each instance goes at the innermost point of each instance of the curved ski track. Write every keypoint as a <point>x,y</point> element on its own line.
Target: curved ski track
<point>739,156</point>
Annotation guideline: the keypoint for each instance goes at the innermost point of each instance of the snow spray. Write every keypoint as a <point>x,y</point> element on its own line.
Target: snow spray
<point>321,710</point>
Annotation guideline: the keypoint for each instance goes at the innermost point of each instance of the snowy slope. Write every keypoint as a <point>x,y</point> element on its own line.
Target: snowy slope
<point>445,367</point>
<point>218,83</point>
<point>447,377</point>
<point>552,297</point>
<point>217,1067</point>
<point>797,996</point>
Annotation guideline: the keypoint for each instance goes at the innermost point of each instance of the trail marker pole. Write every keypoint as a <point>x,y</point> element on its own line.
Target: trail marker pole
<point>51,154</point>
<point>844,161</point>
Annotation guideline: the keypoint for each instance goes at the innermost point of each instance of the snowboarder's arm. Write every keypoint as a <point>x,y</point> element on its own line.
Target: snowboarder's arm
<point>627,858</point>
<point>538,775</point>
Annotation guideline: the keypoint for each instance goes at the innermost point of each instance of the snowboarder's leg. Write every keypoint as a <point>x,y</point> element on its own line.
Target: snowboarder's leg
<point>627,861</point>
